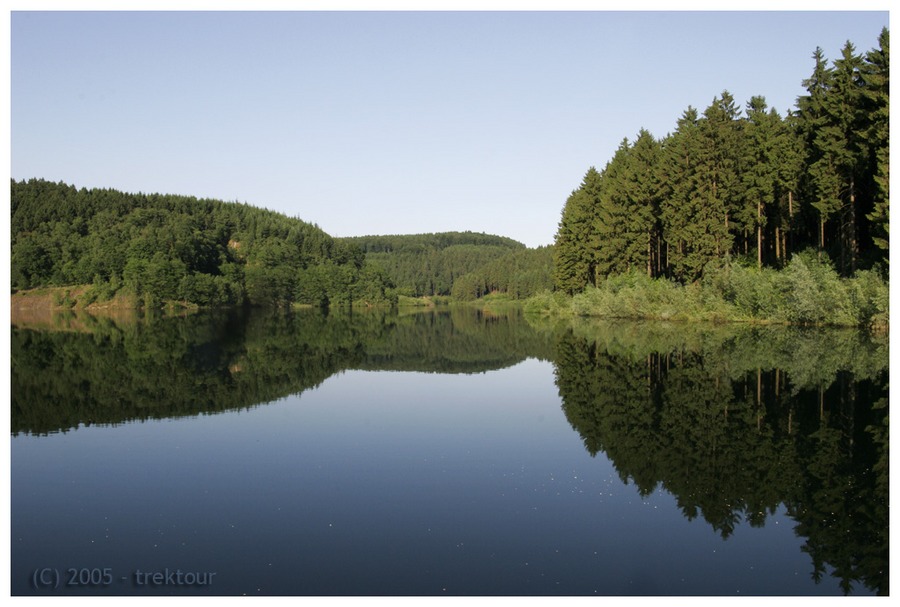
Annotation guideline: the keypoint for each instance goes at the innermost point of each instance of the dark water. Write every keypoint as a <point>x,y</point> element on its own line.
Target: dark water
<point>451,452</point>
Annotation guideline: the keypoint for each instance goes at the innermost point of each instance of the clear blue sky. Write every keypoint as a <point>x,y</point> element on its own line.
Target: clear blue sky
<point>386,122</point>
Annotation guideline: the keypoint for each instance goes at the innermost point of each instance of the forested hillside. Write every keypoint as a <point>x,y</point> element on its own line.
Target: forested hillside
<point>428,264</point>
<point>159,248</point>
<point>520,274</point>
<point>752,188</point>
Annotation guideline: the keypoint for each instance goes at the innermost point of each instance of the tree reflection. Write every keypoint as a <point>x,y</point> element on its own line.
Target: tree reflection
<point>79,369</point>
<point>735,421</point>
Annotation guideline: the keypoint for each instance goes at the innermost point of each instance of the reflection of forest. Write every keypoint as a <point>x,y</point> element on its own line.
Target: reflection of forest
<point>79,369</point>
<point>736,421</point>
<point>733,421</point>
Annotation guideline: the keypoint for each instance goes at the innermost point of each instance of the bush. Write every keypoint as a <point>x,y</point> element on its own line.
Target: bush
<point>807,291</point>
<point>547,303</point>
<point>870,297</point>
<point>814,293</point>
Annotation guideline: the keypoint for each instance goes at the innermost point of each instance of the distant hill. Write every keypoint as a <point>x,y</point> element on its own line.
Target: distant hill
<point>428,264</point>
<point>403,243</point>
<point>168,248</point>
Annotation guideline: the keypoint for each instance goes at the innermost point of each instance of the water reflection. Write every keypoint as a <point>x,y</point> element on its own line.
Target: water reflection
<point>90,370</point>
<point>734,422</point>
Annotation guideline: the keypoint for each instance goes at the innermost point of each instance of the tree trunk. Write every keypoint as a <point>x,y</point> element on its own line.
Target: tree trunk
<point>658,254</point>
<point>759,235</point>
<point>821,236</point>
<point>777,246</point>
<point>790,221</point>
<point>853,238</point>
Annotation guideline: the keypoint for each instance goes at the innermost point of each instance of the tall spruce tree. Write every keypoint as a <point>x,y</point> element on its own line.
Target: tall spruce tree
<point>682,201</point>
<point>645,195</point>
<point>613,253</point>
<point>821,180</point>
<point>875,72</point>
<point>761,169</point>
<point>842,141</point>
<point>720,173</point>
<point>576,240</point>
<point>627,223</point>
<point>790,157</point>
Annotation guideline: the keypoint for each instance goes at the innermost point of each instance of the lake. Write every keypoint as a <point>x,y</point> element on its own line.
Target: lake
<point>445,452</point>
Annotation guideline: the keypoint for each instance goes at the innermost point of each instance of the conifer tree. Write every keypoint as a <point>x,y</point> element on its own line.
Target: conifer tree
<point>682,200</point>
<point>720,174</point>
<point>790,155</point>
<point>822,187</point>
<point>843,144</point>
<point>576,241</point>
<point>611,220</point>
<point>644,194</point>
<point>761,169</point>
<point>875,73</point>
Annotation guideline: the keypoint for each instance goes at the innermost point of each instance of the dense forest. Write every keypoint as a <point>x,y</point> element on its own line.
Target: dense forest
<point>519,274</point>
<point>157,248</point>
<point>725,189</point>
<point>420,265</point>
<point>165,248</point>
<point>735,215</point>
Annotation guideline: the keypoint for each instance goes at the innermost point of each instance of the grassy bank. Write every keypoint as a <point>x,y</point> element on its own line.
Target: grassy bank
<point>88,297</point>
<point>806,292</point>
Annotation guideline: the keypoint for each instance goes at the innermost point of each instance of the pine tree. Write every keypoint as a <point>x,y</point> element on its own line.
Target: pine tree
<point>645,196</point>
<point>610,224</point>
<point>875,72</point>
<point>761,173</point>
<point>821,181</point>
<point>790,158</point>
<point>576,241</point>
<point>681,200</point>
<point>720,170</point>
<point>842,141</point>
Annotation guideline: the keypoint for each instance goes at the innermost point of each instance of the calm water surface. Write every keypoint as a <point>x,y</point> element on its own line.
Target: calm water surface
<point>444,453</point>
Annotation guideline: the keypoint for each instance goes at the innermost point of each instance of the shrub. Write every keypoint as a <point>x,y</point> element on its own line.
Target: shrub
<point>814,293</point>
<point>870,296</point>
<point>547,303</point>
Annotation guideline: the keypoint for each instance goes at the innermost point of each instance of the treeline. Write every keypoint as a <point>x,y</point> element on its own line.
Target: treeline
<point>429,264</point>
<point>158,248</point>
<point>754,189</point>
<point>520,274</point>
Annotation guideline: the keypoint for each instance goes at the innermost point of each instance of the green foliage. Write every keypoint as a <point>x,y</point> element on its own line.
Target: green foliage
<point>628,213</point>
<point>419,265</point>
<point>808,291</point>
<point>576,243</point>
<point>814,293</point>
<point>635,295</point>
<point>759,187</point>
<point>519,274</point>
<point>548,303</point>
<point>176,248</point>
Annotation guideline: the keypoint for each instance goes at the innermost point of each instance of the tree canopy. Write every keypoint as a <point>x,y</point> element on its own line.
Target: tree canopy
<point>161,248</point>
<point>757,187</point>
<point>429,264</point>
